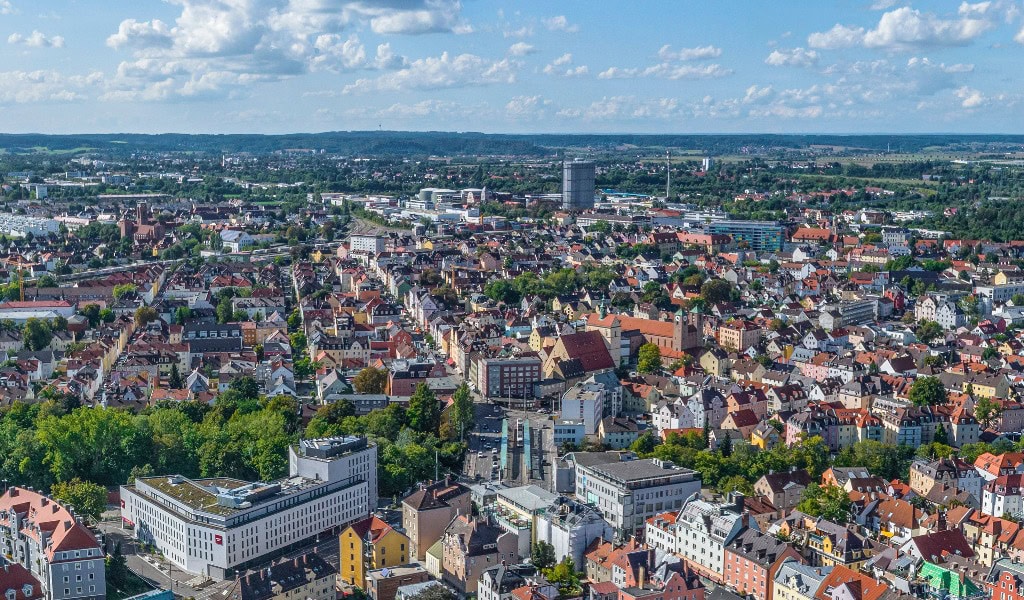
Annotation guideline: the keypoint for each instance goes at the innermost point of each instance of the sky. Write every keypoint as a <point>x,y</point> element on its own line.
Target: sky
<point>588,66</point>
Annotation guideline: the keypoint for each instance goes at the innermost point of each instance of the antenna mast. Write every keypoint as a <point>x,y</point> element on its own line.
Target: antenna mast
<point>668,174</point>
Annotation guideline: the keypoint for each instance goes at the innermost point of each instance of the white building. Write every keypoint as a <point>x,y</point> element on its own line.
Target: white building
<point>221,526</point>
<point>236,240</point>
<point>366,244</point>
<point>703,529</point>
<point>1002,496</point>
<point>22,225</point>
<point>584,402</point>
<point>629,492</point>
<point>570,526</point>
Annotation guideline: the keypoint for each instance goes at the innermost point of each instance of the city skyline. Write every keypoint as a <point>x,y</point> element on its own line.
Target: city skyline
<point>278,66</point>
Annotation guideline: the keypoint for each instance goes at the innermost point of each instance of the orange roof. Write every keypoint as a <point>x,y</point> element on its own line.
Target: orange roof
<point>861,586</point>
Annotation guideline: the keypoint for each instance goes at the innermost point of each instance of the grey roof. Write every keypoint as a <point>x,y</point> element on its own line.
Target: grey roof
<point>529,497</point>
<point>808,578</point>
<point>636,470</point>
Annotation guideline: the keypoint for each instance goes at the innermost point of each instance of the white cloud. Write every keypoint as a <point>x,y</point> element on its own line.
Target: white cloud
<point>667,71</point>
<point>36,39</point>
<point>840,36</point>
<point>527,107</point>
<point>560,23</point>
<point>626,108</point>
<point>141,34</point>
<point>521,49</point>
<point>1019,38</point>
<point>445,71</point>
<point>218,46</point>
<point>969,98</point>
<point>699,53</point>
<point>906,27</point>
<point>796,57</point>
<point>562,67</point>
<point>6,8</point>
<point>45,86</point>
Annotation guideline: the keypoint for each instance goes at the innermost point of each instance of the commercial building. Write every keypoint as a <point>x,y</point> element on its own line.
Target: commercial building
<point>508,377</point>
<point>517,509</point>
<point>578,185</point>
<point>48,541</point>
<point>221,526</point>
<point>21,225</point>
<point>760,236</point>
<point>629,492</point>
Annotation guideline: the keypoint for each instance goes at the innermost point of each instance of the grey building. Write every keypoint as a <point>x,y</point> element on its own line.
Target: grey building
<point>578,185</point>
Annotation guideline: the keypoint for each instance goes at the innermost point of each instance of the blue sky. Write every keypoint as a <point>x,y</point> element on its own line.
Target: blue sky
<point>276,66</point>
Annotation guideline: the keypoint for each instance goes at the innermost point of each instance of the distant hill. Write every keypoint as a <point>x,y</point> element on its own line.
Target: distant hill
<point>399,143</point>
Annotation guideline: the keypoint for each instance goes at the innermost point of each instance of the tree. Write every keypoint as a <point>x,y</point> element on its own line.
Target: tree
<point>87,498</point>
<point>49,281</point>
<point>145,315</point>
<point>716,290</point>
<point>927,391</point>
<point>37,334</point>
<point>107,315</point>
<point>370,381</point>
<point>987,410</point>
<point>182,314</point>
<point>117,574</point>
<point>424,410</point>
<point>224,310</point>
<point>725,447</point>
<point>941,435</point>
<point>124,289</point>
<point>645,444</point>
<point>927,331</point>
<point>828,501</point>
<point>434,592</point>
<point>462,411</point>
<point>174,381</point>
<point>502,290</point>
<point>564,576</point>
<point>92,312</point>
<point>649,358</point>
<point>543,555</point>
<point>246,388</point>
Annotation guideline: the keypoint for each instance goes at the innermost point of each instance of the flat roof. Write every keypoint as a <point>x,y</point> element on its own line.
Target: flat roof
<point>528,497</point>
<point>636,470</point>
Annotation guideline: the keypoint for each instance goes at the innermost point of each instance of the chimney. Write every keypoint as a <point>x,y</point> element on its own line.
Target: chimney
<point>643,577</point>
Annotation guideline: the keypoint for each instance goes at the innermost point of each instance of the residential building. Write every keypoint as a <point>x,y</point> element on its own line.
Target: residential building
<point>1002,496</point>
<point>47,540</point>
<point>570,526</point>
<point>427,511</point>
<point>471,546</point>
<point>751,561</point>
<point>308,577</point>
<point>796,581</point>
<point>785,489</point>
<point>367,545</point>
<point>388,583</point>
<point>703,529</point>
<point>578,187</point>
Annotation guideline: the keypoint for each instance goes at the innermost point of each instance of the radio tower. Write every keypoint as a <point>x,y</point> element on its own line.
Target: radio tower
<point>668,174</point>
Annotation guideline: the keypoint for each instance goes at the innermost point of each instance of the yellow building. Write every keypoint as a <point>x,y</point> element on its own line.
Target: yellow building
<point>370,544</point>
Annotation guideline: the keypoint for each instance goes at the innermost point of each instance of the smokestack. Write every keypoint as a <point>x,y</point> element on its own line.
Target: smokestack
<point>643,577</point>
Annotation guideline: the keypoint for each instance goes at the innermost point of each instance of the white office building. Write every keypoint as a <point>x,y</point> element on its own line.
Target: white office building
<point>366,244</point>
<point>221,526</point>
<point>628,492</point>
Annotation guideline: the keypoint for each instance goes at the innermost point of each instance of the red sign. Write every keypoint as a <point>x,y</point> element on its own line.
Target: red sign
<point>219,540</point>
<point>122,504</point>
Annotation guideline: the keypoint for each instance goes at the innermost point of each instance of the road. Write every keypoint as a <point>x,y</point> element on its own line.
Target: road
<point>484,442</point>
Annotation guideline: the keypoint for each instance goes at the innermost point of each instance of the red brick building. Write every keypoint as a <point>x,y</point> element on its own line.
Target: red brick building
<point>751,561</point>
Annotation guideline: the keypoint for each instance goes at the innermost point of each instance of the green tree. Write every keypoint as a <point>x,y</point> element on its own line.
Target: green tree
<point>124,289</point>
<point>462,411</point>
<point>92,312</point>
<point>927,391</point>
<point>370,381</point>
<point>543,555</point>
<point>828,501</point>
<point>107,315</point>
<point>182,314</point>
<point>645,444</point>
<point>424,410</point>
<point>502,290</point>
<point>87,498</point>
<point>987,410</point>
<point>941,435</point>
<point>927,331</point>
<point>117,573</point>
<point>564,576</point>
<point>224,310</point>
<point>37,334</point>
<point>174,381</point>
<point>716,290</point>
<point>46,281</point>
<point>649,358</point>
<point>145,315</point>
<point>246,388</point>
